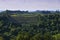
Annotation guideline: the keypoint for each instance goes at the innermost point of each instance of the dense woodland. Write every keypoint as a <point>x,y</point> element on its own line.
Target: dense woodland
<point>24,25</point>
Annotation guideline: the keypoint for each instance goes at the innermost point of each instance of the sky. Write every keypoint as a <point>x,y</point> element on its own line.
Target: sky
<point>30,5</point>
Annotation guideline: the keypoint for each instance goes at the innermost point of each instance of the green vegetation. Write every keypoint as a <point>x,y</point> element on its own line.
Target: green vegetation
<point>29,26</point>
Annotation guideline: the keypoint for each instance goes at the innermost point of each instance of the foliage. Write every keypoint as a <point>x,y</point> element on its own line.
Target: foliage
<point>29,26</point>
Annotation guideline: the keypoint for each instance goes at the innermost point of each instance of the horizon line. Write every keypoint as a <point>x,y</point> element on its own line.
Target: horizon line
<point>31,10</point>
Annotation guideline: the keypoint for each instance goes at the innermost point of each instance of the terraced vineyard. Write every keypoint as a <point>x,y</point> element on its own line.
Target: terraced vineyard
<point>26,18</point>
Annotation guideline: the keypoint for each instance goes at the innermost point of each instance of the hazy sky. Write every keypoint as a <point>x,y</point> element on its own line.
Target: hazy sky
<point>30,4</point>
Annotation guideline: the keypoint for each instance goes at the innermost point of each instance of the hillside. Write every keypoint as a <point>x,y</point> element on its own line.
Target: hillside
<point>34,26</point>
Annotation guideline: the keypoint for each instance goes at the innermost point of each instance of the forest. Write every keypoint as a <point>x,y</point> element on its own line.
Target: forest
<point>25,25</point>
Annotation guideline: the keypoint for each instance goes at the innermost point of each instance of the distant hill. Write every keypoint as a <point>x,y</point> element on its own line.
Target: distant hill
<point>14,12</point>
<point>27,12</point>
